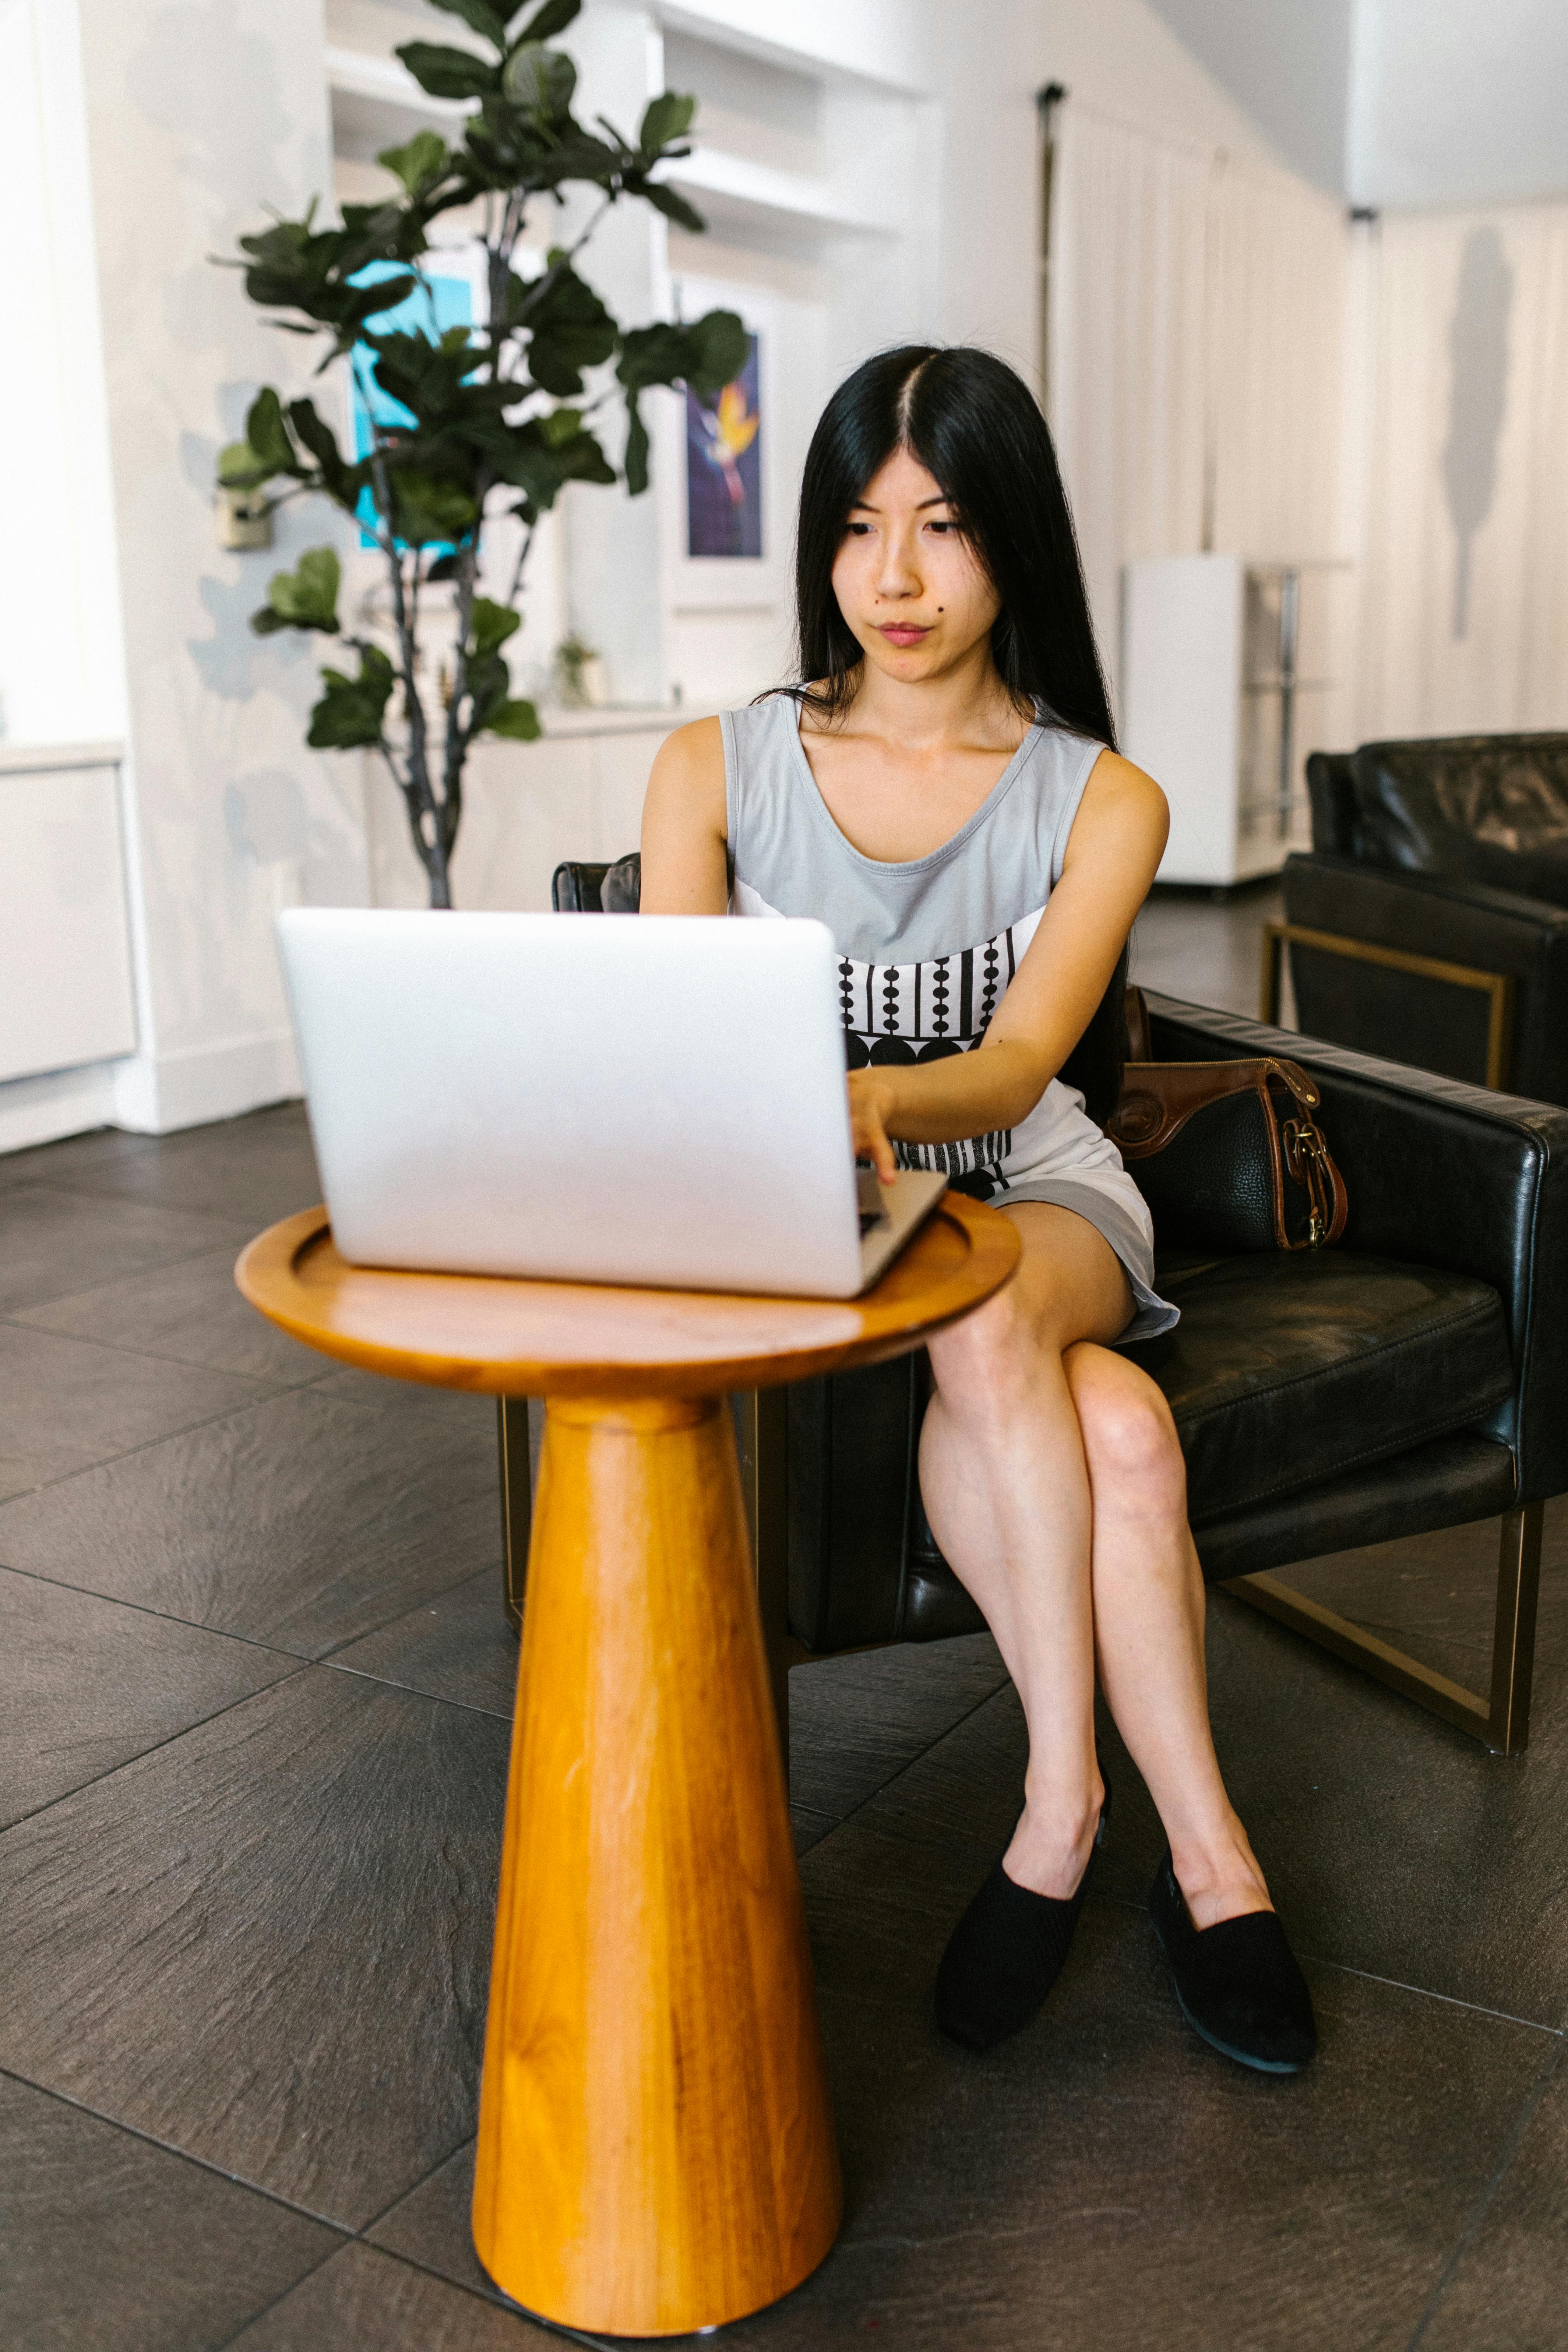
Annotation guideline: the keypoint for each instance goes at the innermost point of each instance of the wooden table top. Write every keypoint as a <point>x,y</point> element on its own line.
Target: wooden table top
<point>502,1336</point>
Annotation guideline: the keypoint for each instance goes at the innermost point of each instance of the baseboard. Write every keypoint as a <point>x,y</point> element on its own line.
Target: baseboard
<point>150,1097</point>
<point>57,1103</point>
<point>205,1083</point>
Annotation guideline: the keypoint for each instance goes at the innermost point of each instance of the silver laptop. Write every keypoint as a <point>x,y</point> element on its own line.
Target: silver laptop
<point>651,1100</point>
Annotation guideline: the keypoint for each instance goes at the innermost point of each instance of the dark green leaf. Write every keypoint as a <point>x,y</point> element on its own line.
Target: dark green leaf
<point>516,721</point>
<point>353,710</point>
<point>426,377</point>
<point>577,156</point>
<point>668,118</point>
<point>317,436</point>
<point>540,468</point>
<point>305,598</point>
<point>488,685</point>
<point>541,81</point>
<point>268,436</point>
<point>490,625</point>
<point>425,506</point>
<point>449,73</point>
<point>572,331</point>
<point>636,448</point>
<point>674,207</point>
<point>553,18</point>
<point>654,354</point>
<point>718,345</point>
<point>419,164</point>
<point>487,21</point>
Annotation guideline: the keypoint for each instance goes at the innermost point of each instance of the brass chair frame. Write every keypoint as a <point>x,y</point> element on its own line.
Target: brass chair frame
<point>1497,985</point>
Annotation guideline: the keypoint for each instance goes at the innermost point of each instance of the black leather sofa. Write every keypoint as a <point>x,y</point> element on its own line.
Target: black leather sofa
<point>1408,1380</point>
<point>1429,921</point>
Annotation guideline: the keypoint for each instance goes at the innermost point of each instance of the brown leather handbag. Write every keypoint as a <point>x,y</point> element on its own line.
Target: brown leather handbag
<point>1227,1154</point>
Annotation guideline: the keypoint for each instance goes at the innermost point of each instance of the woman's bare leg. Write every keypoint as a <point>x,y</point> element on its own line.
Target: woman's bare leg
<point>1006,1490</point>
<point>1149,1609</point>
<point>1054,1484</point>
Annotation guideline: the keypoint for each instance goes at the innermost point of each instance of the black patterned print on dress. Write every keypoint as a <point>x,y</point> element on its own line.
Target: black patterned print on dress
<point>902,1014</point>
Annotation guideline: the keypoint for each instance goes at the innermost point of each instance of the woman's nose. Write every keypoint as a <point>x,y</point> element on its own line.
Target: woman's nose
<point>899,574</point>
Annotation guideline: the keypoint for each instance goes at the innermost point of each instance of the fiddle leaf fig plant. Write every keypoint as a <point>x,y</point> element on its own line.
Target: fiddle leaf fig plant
<point>467,423</point>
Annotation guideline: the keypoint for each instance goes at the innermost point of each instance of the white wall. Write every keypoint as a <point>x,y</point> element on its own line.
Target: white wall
<point>200,112</point>
<point>1454,103</point>
<point>61,677</point>
<point>1288,64</point>
<point>1114,56</point>
<point>1397,103</point>
<point>1465,609</point>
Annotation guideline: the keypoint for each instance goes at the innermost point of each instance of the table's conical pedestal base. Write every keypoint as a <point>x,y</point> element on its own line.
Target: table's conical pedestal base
<point>655,2148</point>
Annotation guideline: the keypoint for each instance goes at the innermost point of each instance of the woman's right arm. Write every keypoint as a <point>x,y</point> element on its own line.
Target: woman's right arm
<point>685,864</point>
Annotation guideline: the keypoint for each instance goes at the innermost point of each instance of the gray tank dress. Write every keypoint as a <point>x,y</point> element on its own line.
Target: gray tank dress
<point>927,948</point>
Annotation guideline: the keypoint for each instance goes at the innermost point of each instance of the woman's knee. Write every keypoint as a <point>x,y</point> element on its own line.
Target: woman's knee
<point>995,1355</point>
<point>1129,1437</point>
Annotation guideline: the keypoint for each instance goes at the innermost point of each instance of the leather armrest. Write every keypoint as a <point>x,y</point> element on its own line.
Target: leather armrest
<point>1441,1175</point>
<point>1460,922</point>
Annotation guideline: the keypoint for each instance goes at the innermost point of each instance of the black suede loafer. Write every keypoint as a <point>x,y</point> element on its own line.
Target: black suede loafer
<point>1006,1954</point>
<point>1237,1982</point>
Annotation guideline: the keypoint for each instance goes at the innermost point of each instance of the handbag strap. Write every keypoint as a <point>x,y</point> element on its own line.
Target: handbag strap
<point>1159,1098</point>
<point>1314,1168</point>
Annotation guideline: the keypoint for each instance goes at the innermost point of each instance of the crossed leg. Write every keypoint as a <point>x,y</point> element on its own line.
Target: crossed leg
<point>1054,1483</point>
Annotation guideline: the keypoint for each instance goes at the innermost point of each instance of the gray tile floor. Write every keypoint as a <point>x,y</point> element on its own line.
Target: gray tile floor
<point>254,1697</point>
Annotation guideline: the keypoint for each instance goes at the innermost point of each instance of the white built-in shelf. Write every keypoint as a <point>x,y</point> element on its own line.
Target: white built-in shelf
<point>41,759</point>
<point>760,188</point>
<point>620,717</point>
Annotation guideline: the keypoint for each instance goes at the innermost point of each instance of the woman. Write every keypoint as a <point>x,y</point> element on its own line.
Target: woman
<point>941,788</point>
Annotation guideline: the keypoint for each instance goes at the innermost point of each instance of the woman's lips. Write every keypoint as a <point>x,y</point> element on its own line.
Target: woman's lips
<point>898,633</point>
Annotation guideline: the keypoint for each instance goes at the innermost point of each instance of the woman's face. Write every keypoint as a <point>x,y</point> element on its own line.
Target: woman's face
<point>913,590</point>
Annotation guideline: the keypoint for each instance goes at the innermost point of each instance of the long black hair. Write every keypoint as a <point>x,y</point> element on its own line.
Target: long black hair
<point>976,427</point>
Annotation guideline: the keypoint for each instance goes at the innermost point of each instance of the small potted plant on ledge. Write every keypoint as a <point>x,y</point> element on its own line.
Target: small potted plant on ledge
<point>471,423</point>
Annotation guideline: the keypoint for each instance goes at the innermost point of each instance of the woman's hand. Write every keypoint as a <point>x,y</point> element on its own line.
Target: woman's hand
<point>872,1094</point>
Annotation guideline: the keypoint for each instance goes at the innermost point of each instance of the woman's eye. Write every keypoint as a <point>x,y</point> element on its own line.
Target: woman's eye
<point>859,531</point>
<point>941,526</point>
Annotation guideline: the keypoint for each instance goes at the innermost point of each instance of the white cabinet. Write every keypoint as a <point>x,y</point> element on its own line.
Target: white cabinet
<point>65,953</point>
<point>1224,690</point>
<point>576,793</point>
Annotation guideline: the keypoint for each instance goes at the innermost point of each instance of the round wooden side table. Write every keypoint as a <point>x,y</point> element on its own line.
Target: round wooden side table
<point>655,2148</point>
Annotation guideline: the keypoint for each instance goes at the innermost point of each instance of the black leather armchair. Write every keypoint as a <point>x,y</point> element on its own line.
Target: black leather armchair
<point>1409,1379</point>
<point>1429,922</point>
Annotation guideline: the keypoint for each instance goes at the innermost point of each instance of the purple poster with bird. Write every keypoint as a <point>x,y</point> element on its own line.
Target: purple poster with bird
<point>724,467</point>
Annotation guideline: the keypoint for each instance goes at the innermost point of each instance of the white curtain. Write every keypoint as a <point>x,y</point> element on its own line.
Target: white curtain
<point>1464,604</point>
<point>1278,255</point>
<point>1197,354</point>
<point>1125,364</point>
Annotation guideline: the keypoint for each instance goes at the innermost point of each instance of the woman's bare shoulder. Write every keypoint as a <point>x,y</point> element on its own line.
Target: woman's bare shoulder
<point>1121,796</point>
<point>694,749</point>
<point>688,770</point>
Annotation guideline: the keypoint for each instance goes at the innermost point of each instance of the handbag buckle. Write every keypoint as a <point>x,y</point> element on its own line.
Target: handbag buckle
<point>1304,1156</point>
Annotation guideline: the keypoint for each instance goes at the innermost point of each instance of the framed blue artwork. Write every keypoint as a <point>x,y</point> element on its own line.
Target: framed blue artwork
<point>724,466</point>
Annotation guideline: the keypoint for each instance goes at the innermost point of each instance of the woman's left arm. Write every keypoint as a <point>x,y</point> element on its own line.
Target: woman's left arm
<point>1116,844</point>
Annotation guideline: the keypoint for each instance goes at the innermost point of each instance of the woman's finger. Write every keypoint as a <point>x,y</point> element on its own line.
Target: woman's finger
<point>873,1142</point>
